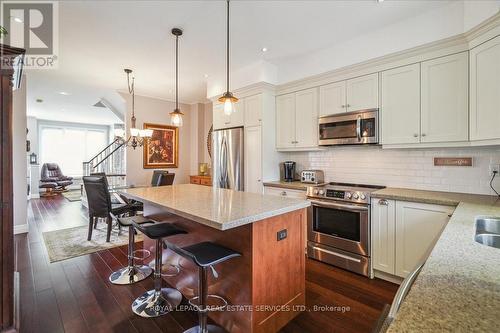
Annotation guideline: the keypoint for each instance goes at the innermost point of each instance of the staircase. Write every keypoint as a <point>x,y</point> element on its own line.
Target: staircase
<point>111,161</point>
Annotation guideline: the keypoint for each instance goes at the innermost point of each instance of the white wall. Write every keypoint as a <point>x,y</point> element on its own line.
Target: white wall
<point>409,168</point>
<point>156,111</point>
<point>32,125</point>
<point>19,162</point>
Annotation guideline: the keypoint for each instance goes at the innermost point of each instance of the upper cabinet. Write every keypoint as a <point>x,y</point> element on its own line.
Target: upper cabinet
<point>485,91</point>
<point>444,100</point>
<point>253,110</point>
<point>352,95</point>
<point>235,119</point>
<point>400,105</point>
<point>362,93</point>
<point>426,102</point>
<point>297,120</point>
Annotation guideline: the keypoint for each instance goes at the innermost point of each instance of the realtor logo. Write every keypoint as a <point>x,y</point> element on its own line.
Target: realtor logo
<point>33,27</point>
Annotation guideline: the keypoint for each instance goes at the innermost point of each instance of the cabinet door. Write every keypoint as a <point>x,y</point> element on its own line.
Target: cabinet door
<point>418,227</point>
<point>253,159</point>
<point>400,105</point>
<point>362,93</point>
<point>485,91</point>
<point>383,228</point>
<point>285,121</point>
<point>306,118</point>
<point>332,99</point>
<point>445,110</point>
<point>253,110</point>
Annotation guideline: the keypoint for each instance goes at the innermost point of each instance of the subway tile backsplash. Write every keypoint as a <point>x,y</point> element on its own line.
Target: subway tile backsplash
<point>409,168</point>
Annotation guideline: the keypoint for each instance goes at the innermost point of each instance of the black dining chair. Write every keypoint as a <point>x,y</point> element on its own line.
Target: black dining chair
<point>100,205</point>
<point>162,178</point>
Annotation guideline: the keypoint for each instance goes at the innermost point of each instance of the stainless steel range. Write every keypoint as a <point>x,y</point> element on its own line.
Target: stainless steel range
<point>339,225</point>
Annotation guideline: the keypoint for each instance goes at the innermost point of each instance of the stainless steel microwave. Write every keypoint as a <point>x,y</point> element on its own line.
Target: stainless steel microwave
<point>350,128</point>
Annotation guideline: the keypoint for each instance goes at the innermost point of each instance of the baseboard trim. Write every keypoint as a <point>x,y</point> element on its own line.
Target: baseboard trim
<point>20,229</point>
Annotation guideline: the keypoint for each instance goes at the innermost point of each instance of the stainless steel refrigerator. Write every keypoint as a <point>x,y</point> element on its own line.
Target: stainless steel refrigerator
<point>227,158</point>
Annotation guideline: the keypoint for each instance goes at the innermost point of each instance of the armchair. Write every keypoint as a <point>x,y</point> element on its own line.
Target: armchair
<point>52,174</point>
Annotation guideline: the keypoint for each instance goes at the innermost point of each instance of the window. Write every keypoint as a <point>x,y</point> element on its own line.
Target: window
<point>69,145</point>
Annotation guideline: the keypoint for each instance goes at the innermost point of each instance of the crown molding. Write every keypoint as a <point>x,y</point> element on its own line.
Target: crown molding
<point>253,89</point>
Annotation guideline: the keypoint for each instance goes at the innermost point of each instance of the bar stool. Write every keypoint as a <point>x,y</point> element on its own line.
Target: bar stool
<point>132,273</point>
<point>205,255</point>
<point>159,301</point>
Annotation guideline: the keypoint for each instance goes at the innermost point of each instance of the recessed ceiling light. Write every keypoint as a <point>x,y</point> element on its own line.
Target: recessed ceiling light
<point>65,93</point>
<point>17,19</point>
<point>380,0</point>
<point>206,76</point>
<point>264,49</point>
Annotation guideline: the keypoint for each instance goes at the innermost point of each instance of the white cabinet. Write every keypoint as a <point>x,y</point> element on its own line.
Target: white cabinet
<point>400,105</point>
<point>444,88</point>
<point>332,99</point>
<point>404,233</point>
<point>485,91</point>
<point>306,118</point>
<point>235,119</point>
<point>253,159</point>
<point>383,214</point>
<point>253,110</point>
<point>284,192</point>
<point>352,95</point>
<point>362,92</point>
<point>418,227</point>
<point>297,120</point>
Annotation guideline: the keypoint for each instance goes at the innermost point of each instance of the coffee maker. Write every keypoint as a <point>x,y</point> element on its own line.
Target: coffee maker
<point>289,171</point>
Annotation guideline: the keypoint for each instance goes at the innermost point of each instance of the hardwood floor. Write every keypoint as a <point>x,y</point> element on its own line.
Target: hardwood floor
<point>75,296</point>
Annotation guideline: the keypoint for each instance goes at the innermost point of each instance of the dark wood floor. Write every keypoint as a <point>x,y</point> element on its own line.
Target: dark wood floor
<point>75,296</point>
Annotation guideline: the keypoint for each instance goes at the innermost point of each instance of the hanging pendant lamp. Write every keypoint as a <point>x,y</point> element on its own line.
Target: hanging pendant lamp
<point>176,115</point>
<point>228,98</point>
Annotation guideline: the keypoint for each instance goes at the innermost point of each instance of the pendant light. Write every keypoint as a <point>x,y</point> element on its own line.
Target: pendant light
<point>137,136</point>
<point>176,115</point>
<point>227,98</point>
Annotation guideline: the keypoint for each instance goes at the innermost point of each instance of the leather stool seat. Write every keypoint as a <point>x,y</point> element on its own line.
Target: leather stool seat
<point>207,253</point>
<point>158,230</point>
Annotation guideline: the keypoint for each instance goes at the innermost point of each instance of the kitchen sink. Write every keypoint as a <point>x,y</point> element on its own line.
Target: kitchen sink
<point>488,231</point>
<point>488,225</point>
<point>492,240</point>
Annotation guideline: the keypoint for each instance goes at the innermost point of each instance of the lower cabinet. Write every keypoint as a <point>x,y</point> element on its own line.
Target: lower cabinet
<point>284,192</point>
<point>404,233</point>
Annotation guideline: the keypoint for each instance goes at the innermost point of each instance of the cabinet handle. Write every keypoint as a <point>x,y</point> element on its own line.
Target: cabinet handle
<point>415,135</point>
<point>348,105</point>
<point>343,105</point>
<point>227,123</point>
<point>423,134</point>
<point>283,193</point>
<point>450,215</point>
<point>258,180</point>
<point>260,119</point>
<point>383,202</point>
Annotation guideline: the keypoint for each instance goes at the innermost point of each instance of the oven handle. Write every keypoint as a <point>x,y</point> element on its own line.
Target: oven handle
<point>354,208</point>
<point>343,256</point>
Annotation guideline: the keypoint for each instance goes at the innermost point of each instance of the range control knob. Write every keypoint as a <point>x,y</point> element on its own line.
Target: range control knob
<point>348,195</point>
<point>321,192</point>
<point>362,196</point>
<point>316,191</point>
<point>355,196</point>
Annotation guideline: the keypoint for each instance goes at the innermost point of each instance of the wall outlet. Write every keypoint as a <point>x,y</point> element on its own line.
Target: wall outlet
<point>494,167</point>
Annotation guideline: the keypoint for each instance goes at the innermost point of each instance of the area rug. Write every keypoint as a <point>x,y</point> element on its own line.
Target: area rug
<point>69,243</point>
<point>73,195</point>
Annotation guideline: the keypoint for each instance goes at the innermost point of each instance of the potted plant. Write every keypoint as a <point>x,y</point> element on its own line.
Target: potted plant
<point>3,31</point>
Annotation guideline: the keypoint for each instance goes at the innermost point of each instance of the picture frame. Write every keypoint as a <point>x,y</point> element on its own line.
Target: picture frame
<point>161,151</point>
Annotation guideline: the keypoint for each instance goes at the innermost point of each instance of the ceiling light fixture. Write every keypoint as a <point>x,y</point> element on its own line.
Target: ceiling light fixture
<point>227,98</point>
<point>264,49</point>
<point>380,1</point>
<point>64,93</point>
<point>176,115</point>
<point>205,76</point>
<point>137,136</point>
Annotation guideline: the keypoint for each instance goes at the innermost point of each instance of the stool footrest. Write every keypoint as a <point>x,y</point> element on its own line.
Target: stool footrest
<point>209,307</point>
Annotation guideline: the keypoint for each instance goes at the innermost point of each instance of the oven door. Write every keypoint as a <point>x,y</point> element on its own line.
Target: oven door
<point>340,225</point>
<point>360,127</point>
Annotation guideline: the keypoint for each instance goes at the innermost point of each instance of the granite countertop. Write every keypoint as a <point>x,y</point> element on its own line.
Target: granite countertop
<point>218,208</point>
<point>295,185</point>
<point>458,289</point>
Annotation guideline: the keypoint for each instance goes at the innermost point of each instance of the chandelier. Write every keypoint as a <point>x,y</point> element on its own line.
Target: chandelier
<point>137,136</point>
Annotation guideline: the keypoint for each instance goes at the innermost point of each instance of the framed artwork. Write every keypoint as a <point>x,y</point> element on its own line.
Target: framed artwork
<point>162,150</point>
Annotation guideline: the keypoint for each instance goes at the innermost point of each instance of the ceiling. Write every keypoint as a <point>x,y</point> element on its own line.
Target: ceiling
<point>97,39</point>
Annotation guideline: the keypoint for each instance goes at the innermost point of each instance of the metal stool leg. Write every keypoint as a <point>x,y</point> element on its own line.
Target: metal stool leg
<point>203,327</point>
<point>131,273</point>
<point>160,301</point>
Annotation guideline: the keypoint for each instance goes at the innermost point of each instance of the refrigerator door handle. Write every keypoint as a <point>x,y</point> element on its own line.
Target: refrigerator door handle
<point>223,166</point>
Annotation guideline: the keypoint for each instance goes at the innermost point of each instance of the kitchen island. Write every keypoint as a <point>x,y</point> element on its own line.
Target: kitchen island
<point>265,287</point>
